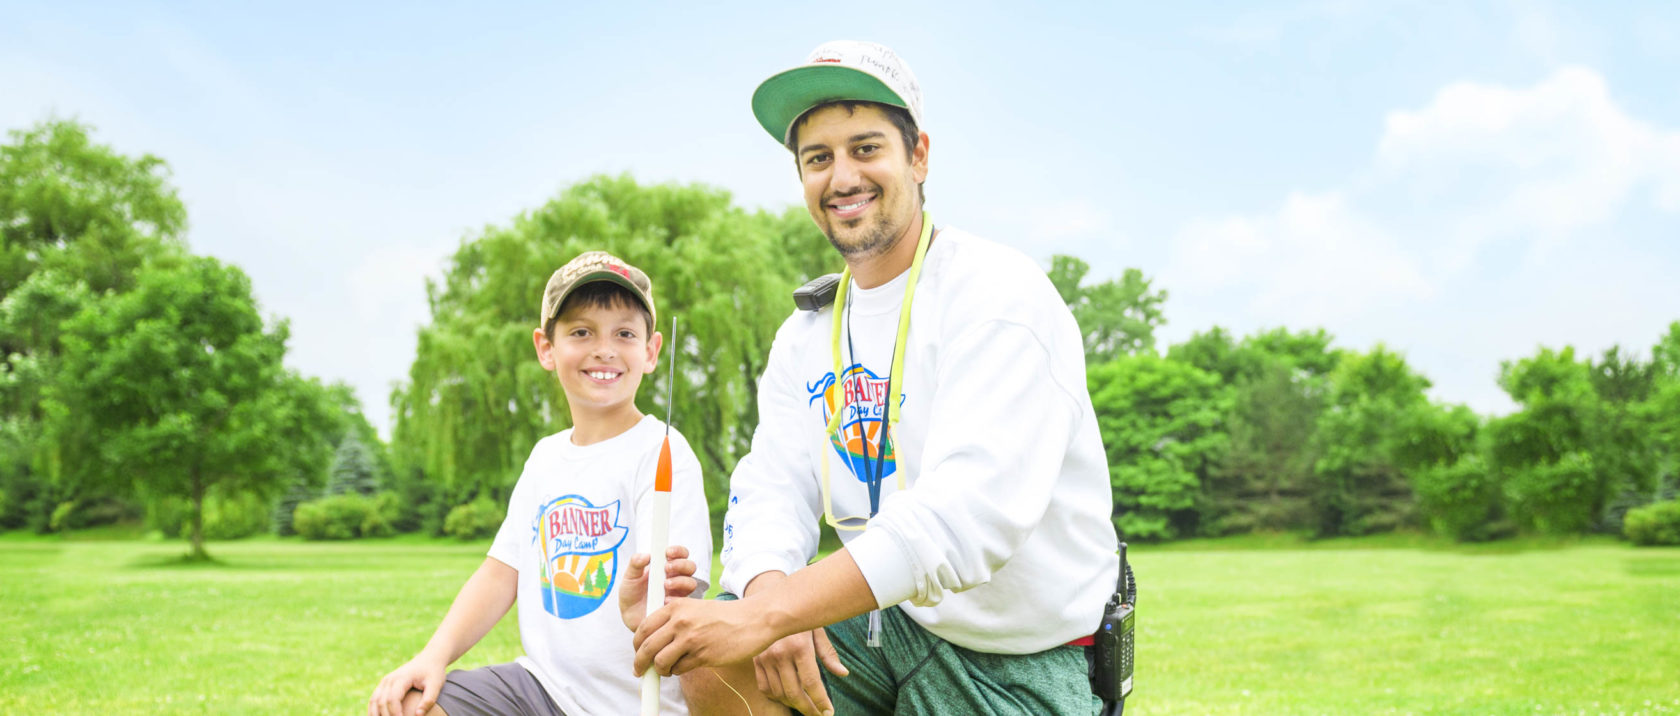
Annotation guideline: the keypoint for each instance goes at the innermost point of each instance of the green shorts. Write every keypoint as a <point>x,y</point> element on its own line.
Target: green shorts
<point>915,672</point>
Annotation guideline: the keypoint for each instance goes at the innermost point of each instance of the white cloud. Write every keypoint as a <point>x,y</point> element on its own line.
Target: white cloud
<point>1315,259</point>
<point>1492,219</point>
<point>1544,161</point>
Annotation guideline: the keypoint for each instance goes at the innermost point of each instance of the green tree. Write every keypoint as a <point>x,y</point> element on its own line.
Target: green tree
<point>1359,482</point>
<point>1160,424</point>
<point>1665,355</point>
<point>355,424</point>
<point>1626,449</point>
<point>1660,412</point>
<point>80,208</point>
<point>1279,382</point>
<point>1216,351</point>
<point>1549,452</point>
<point>1262,480</point>
<point>77,220</point>
<point>476,400</point>
<point>182,389</point>
<point>353,469</point>
<point>1117,317</point>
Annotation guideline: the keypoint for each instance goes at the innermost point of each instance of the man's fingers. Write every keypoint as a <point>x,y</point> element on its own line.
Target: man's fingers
<point>650,640</point>
<point>763,681</point>
<point>665,662</point>
<point>676,552</point>
<point>684,665</point>
<point>648,627</point>
<point>827,654</point>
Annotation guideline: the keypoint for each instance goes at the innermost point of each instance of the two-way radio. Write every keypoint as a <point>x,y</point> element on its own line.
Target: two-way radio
<point>1112,644</point>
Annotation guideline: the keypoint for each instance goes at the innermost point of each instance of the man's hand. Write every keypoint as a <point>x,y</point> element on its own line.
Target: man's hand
<point>424,672</point>
<point>787,671</point>
<point>687,634</point>
<point>679,583</point>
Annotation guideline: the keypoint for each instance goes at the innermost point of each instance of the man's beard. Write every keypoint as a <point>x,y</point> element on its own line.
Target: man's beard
<point>877,237</point>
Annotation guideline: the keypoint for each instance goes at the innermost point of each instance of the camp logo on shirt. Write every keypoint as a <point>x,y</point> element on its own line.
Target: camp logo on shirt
<point>863,396</point>
<point>578,545</point>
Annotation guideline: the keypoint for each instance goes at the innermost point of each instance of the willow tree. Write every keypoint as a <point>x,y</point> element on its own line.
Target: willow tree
<point>476,400</point>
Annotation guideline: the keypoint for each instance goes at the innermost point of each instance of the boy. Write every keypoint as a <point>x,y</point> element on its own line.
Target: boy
<point>583,493</point>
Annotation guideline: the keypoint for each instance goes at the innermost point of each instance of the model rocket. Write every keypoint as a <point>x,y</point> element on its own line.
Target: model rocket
<point>661,532</point>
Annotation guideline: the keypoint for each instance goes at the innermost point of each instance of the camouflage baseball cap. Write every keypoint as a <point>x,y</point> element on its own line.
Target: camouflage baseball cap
<point>589,267</point>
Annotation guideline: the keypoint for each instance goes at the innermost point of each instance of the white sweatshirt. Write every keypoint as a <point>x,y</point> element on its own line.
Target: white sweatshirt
<point>1002,542</point>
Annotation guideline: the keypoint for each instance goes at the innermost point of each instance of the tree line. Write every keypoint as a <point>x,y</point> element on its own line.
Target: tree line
<point>140,383</point>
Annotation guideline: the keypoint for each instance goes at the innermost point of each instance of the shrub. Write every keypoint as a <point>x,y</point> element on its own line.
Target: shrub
<point>345,516</point>
<point>168,514</point>
<point>421,505</point>
<point>233,517</point>
<point>1654,524</point>
<point>92,512</point>
<point>19,491</point>
<point>475,520</point>
<point>389,507</point>
<point>1457,499</point>
<point>1555,497</point>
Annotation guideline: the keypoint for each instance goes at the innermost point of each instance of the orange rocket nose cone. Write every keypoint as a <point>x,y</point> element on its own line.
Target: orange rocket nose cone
<point>662,478</point>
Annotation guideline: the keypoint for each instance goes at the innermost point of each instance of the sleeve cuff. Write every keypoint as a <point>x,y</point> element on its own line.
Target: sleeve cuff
<point>735,579</point>
<point>884,566</point>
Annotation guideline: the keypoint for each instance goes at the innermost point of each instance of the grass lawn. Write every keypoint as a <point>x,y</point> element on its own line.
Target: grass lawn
<point>1266,625</point>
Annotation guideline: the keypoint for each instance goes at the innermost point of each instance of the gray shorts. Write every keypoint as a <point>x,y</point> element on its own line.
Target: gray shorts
<point>494,690</point>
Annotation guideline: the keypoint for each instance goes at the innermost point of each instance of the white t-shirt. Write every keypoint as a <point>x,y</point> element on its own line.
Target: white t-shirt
<point>1003,542</point>
<point>590,503</point>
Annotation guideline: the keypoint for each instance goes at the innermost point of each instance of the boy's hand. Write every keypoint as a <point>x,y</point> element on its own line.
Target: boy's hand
<point>679,583</point>
<point>423,672</point>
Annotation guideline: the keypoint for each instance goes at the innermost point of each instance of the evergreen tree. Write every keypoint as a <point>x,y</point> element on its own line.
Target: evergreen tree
<point>353,468</point>
<point>299,493</point>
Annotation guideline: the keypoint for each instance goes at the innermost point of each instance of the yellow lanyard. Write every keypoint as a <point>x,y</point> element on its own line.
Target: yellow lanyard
<point>895,379</point>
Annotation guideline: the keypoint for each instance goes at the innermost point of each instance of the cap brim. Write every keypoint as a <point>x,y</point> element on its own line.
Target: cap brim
<point>780,100</point>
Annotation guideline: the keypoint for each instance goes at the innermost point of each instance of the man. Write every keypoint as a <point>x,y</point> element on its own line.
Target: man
<point>959,433</point>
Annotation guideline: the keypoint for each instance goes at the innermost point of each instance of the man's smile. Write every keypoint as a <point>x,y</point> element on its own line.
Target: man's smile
<point>851,206</point>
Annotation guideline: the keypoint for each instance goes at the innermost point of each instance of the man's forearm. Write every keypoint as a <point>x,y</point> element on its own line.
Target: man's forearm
<point>829,591</point>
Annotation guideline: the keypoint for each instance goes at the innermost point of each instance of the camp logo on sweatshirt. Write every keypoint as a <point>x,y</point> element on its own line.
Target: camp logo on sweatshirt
<point>862,396</point>
<point>578,545</point>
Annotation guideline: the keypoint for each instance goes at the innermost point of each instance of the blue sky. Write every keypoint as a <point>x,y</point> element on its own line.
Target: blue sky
<point>1464,182</point>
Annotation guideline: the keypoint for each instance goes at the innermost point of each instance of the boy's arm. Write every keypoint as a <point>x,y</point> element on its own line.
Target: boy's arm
<point>482,602</point>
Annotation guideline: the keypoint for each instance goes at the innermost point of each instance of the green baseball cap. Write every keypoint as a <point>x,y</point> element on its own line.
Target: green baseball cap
<point>839,70</point>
